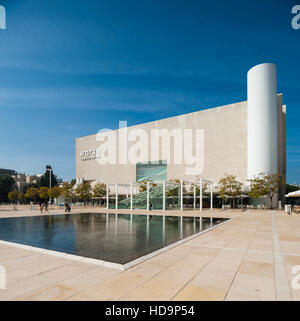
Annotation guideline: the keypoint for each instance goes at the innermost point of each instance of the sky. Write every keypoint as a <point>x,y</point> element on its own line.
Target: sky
<point>70,68</point>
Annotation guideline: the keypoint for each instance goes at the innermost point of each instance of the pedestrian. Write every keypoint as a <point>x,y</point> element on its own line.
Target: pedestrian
<point>68,208</point>
<point>46,207</point>
<point>150,206</point>
<point>41,207</point>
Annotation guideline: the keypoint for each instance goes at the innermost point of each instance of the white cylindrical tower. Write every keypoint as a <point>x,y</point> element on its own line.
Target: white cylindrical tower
<point>262,120</point>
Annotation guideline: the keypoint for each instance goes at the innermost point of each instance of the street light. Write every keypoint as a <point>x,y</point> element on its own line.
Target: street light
<point>50,170</point>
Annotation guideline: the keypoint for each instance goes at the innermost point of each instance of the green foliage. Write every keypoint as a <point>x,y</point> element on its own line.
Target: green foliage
<point>84,191</point>
<point>176,190</point>
<point>6,185</point>
<point>44,192</point>
<point>21,196</point>
<point>32,193</point>
<point>204,188</point>
<point>265,185</point>
<point>67,191</point>
<point>54,192</point>
<point>291,188</point>
<point>25,188</point>
<point>143,185</point>
<point>45,179</point>
<point>99,190</point>
<point>229,186</point>
<point>13,196</point>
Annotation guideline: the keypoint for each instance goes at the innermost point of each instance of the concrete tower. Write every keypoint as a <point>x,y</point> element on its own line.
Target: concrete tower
<point>262,120</point>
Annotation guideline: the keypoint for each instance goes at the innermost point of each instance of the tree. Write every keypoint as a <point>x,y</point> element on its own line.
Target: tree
<point>6,185</point>
<point>292,188</point>
<point>204,188</point>
<point>54,192</point>
<point>32,193</point>
<point>99,190</point>
<point>143,185</point>
<point>257,187</point>
<point>265,185</point>
<point>67,192</point>
<point>45,179</point>
<point>84,192</point>
<point>25,188</point>
<point>21,196</point>
<point>44,192</point>
<point>175,191</point>
<point>228,185</point>
<point>13,196</point>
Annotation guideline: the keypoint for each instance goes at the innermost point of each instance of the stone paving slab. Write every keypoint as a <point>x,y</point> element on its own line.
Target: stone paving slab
<point>249,258</point>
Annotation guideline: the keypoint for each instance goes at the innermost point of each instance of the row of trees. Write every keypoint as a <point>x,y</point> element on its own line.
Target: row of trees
<point>83,192</point>
<point>263,185</point>
<point>7,184</point>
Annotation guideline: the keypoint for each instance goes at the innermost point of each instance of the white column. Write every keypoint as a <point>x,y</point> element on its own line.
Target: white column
<point>194,197</point>
<point>201,190</point>
<point>211,197</point>
<point>116,196</point>
<point>126,191</point>
<point>164,195</point>
<point>107,196</point>
<point>148,196</point>
<point>262,120</point>
<point>131,196</point>
<point>181,195</point>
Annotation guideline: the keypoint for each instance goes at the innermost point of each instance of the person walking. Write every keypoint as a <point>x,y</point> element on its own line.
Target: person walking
<point>150,206</point>
<point>41,207</point>
<point>46,206</point>
<point>68,208</point>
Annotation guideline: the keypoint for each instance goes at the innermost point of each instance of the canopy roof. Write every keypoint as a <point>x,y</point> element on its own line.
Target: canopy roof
<point>293,194</point>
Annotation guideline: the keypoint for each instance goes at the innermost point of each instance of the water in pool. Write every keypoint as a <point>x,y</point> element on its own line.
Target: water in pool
<point>117,238</point>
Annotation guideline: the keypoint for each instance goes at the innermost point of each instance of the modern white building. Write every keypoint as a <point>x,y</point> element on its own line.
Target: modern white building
<point>243,139</point>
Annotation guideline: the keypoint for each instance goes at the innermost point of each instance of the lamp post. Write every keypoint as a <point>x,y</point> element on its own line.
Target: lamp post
<point>50,174</point>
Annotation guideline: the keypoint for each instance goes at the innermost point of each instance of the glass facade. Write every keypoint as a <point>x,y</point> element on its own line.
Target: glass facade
<point>151,171</point>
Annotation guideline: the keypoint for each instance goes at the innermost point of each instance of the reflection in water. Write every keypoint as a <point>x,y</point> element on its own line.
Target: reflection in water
<point>211,221</point>
<point>147,230</point>
<point>131,225</point>
<point>106,222</point>
<point>109,237</point>
<point>181,227</point>
<point>164,230</point>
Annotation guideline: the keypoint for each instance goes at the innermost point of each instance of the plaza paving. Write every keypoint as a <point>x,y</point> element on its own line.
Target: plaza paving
<point>249,257</point>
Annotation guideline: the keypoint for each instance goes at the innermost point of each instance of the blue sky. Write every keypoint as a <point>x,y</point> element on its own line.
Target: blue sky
<point>69,68</point>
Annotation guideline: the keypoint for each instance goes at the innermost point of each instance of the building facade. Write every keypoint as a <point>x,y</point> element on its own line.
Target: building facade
<point>243,139</point>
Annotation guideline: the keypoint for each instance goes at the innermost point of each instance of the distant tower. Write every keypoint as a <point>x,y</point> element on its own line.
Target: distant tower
<point>262,120</point>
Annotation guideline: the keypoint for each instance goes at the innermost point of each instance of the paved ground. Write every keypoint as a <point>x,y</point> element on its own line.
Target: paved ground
<point>248,258</point>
